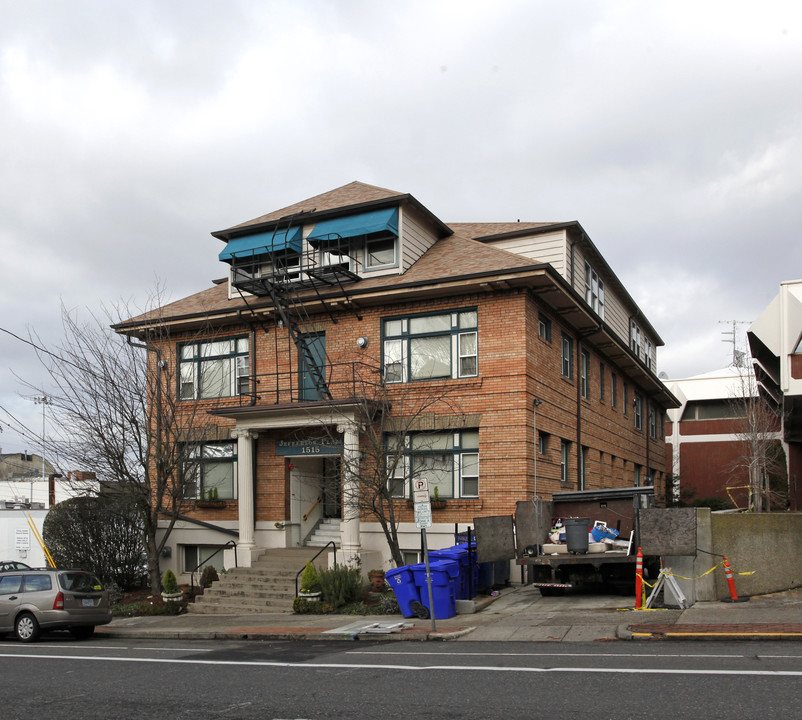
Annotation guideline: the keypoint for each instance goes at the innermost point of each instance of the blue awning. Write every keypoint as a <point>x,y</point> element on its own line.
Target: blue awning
<point>355,225</point>
<point>262,243</point>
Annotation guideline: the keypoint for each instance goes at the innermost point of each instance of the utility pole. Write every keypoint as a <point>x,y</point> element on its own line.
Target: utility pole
<point>737,357</point>
<point>44,401</point>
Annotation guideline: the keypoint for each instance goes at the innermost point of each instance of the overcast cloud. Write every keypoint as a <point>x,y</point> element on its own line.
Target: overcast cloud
<point>672,131</point>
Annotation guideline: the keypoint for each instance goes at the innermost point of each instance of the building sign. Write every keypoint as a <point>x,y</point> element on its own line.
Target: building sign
<point>22,537</point>
<point>308,447</point>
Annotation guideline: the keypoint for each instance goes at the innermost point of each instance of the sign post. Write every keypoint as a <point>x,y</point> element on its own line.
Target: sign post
<point>423,520</point>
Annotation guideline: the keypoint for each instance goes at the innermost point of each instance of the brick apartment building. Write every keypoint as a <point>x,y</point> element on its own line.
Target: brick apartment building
<point>538,366</point>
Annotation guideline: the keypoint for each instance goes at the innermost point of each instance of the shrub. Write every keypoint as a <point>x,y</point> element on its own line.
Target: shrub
<point>310,581</point>
<point>169,583</point>
<point>388,605</point>
<point>208,576</point>
<point>304,607</point>
<point>100,534</point>
<point>341,585</point>
<point>143,607</point>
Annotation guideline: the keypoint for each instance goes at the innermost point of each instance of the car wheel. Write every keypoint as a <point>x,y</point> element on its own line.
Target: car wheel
<point>26,628</point>
<point>82,633</point>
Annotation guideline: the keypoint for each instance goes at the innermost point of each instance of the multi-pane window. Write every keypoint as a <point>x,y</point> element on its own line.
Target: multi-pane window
<point>635,339</point>
<point>210,470</point>
<point>213,368</point>
<point>544,327</point>
<point>567,356</point>
<point>448,460</point>
<point>425,347</point>
<point>565,449</point>
<point>647,349</point>
<point>637,405</point>
<point>652,421</point>
<point>613,389</point>
<point>584,373</point>
<point>594,290</point>
<point>625,399</point>
<point>638,475</point>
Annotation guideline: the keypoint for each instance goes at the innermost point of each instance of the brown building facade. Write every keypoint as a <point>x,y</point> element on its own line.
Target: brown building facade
<point>506,359</point>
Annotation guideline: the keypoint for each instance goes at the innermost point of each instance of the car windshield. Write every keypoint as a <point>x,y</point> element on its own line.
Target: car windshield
<point>79,582</point>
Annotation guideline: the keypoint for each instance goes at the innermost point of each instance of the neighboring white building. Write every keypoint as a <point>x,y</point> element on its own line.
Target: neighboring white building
<point>25,499</point>
<point>18,536</point>
<point>775,339</point>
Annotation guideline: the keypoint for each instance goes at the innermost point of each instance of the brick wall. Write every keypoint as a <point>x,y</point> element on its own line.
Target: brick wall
<point>515,367</point>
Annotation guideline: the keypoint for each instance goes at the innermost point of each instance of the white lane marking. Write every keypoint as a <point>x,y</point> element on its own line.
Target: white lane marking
<point>557,655</point>
<point>95,648</point>
<point>426,668</point>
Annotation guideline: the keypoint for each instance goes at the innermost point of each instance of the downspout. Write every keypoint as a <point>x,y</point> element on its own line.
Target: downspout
<point>579,485</point>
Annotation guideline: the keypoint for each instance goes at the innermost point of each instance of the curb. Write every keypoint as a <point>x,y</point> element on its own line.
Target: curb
<point>407,635</point>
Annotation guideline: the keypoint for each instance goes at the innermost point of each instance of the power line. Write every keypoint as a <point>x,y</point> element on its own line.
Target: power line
<point>25,428</point>
<point>40,348</point>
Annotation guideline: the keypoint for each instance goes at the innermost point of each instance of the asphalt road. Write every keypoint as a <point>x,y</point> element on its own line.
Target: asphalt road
<point>60,678</point>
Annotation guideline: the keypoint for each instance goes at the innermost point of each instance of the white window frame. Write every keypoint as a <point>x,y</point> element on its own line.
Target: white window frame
<point>635,339</point>
<point>367,265</point>
<point>565,451</point>
<point>584,374</point>
<point>567,356</point>
<point>594,290</point>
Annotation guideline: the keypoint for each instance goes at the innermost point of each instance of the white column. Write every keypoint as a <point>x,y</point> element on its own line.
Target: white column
<point>246,547</point>
<point>349,530</point>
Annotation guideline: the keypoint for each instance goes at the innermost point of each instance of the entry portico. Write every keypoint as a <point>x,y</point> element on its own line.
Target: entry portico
<point>334,421</point>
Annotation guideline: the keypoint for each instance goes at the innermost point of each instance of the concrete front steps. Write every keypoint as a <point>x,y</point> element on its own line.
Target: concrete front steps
<point>267,586</point>
<point>327,530</point>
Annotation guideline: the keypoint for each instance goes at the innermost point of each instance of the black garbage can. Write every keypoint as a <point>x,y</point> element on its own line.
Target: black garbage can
<point>576,534</point>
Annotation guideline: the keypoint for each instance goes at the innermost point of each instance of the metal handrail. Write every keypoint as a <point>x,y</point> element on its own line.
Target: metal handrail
<point>230,543</point>
<point>298,574</point>
<point>346,381</point>
<point>314,505</point>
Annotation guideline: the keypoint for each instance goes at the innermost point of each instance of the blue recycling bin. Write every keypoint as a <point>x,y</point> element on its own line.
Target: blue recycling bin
<point>460,556</point>
<point>445,575</point>
<point>402,581</point>
<point>473,568</point>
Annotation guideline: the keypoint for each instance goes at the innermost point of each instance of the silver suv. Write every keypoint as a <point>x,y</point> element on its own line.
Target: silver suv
<point>39,599</point>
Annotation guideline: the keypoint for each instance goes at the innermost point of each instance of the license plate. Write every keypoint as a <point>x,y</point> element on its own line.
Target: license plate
<point>88,602</point>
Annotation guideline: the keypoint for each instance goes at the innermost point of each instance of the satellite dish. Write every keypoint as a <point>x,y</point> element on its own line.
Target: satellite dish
<point>663,375</point>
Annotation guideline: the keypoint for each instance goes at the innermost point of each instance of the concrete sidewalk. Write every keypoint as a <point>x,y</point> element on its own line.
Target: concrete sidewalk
<point>518,614</point>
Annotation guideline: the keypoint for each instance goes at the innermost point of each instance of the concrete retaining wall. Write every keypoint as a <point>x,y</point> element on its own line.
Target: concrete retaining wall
<point>768,543</point>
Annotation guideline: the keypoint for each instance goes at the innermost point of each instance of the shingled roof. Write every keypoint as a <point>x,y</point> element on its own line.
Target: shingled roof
<point>354,193</point>
<point>449,257</point>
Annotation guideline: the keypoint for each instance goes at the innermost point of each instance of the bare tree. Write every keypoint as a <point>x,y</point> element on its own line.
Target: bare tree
<point>115,412</point>
<point>398,421</point>
<point>763,459</point>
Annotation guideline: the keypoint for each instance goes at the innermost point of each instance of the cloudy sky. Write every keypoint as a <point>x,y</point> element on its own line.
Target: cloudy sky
<point>672,131</point>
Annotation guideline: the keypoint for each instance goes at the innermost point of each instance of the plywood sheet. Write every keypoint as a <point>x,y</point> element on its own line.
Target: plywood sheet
<point>495,539</point>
